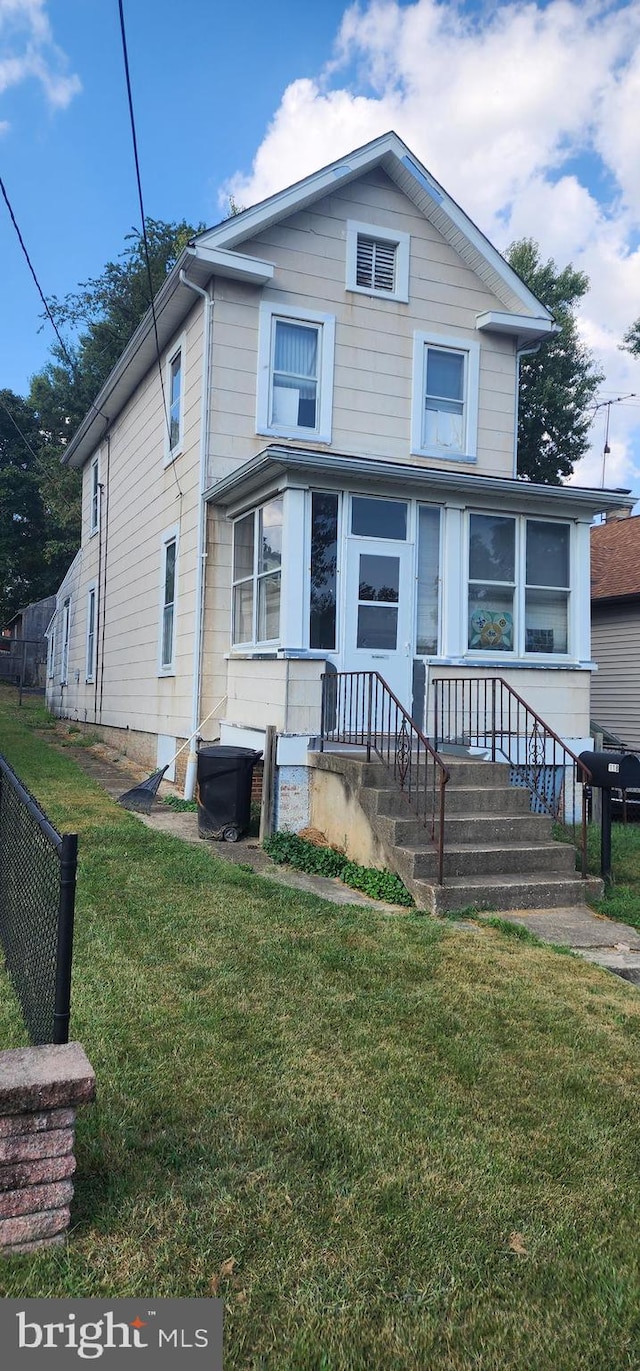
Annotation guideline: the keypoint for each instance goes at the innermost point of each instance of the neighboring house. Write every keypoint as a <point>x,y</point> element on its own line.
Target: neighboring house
<point>322,470</point>
<point>23,644</point>
<point>615,627</point>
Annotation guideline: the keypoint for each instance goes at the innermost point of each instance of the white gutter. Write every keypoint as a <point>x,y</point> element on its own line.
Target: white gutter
<point>192,759</point>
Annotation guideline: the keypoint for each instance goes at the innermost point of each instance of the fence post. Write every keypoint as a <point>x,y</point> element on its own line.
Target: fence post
<point>68,864</point>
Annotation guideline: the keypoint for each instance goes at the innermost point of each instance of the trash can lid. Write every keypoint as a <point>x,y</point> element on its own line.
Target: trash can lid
<point>226,751</point>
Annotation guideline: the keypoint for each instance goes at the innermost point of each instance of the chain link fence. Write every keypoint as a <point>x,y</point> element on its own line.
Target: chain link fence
<point>37,898</point>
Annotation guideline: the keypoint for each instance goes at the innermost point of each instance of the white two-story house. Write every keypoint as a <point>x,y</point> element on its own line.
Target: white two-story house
<point>321,470</point>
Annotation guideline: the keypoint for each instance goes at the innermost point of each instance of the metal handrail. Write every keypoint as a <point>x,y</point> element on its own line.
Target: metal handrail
<point>487,712</point>
<point>360,710</point>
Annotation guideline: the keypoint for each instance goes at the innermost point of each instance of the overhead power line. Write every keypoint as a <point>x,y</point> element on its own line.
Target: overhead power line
<point>39,289</point>
<point>18,429</point>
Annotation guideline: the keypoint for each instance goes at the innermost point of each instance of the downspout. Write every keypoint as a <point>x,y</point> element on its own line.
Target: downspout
<point>520,352</point>
<point>192,760</point>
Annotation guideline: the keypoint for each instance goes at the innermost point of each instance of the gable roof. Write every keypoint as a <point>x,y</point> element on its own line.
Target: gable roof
<point>411,177</point>
<point>218,252</point>
<point>615,559</point>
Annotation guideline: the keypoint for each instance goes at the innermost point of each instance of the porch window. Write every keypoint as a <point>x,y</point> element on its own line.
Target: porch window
<point>428,580</point>
<point>295,373</point>
<point>547,587</point>
<point>257,573</point>
<point>324,555</point>
<point>492,582</point>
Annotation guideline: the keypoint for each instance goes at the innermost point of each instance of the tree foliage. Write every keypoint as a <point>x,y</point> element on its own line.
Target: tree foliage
<point>631,340</point>
<point>39,497</point>
<point>558,383</point>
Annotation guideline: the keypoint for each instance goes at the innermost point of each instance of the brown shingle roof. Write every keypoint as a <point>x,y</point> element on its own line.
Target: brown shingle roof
<point>615,559</point>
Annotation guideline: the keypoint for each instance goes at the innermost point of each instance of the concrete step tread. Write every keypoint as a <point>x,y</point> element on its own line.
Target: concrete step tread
<point>527,845</point>
<point>520,878</point>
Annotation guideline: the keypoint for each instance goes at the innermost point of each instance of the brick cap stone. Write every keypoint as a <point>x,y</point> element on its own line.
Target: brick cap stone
<point>39,1078</point>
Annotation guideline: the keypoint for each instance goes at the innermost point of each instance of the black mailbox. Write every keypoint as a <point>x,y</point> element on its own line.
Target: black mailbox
<point>613,770</point>
<point>610,771</point>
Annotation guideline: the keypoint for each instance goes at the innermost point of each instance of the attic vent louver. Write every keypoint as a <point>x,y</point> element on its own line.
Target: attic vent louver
<point>376,264</point>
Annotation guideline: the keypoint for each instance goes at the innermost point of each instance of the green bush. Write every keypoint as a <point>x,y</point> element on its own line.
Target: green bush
<point>326,861</point>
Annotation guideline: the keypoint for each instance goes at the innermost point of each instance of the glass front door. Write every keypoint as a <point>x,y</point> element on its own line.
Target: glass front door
<point>378,618</point>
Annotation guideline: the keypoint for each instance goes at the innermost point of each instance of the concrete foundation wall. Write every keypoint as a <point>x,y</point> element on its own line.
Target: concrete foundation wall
<point>335,811</point>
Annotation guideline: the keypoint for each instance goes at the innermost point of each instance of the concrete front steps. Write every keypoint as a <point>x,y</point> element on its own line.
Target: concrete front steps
<point>497,855</point>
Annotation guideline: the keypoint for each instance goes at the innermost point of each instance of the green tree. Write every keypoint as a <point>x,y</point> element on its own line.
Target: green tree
<point>631,340</point>
<point>558,383</point>
<point>29,569</point>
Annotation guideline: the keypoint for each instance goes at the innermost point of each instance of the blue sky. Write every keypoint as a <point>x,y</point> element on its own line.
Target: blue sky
<point>528,114</point>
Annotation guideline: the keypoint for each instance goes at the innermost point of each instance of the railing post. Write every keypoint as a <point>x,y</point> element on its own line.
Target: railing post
<point>441,834</point>
<point>584,831</point>
<point>494,720</point>
<point>323,706</point>
<point>369,715</point>
<point>68,864</point>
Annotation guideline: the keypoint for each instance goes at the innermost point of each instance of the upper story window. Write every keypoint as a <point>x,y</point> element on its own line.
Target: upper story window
<point>257,562</point>
<point>295,373</point>
<point>377,261</point>
<point>66,634</point>
<point>94,496</point>
<point>174,399</point>
<point>91,634</point>
<point>445,397</point>
<point>519,585</point>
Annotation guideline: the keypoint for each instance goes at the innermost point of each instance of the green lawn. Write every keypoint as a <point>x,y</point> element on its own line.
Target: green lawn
<point>385,1142</point>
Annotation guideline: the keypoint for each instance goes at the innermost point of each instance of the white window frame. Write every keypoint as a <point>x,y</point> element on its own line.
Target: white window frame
<point>170,536</point>
<point>94,497</point>
<point>180,349</point>
<point>326,325</point>
<point>51,652</point>
<point>402,243</point>
<point>471,351</point>
<point>66,634</point>
<point>518,652</point>
<point>91,635</point>
<point>255,578</point>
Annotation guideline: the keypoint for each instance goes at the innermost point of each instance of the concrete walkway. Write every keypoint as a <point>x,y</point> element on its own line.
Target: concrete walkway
<point>612,945</point>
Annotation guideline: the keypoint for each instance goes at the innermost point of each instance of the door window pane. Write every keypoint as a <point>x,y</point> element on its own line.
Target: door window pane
<point>379,579</point>
<point>378,626</point>
<point>428,580</point>
<point>378,518</point>
<point>324,553</point>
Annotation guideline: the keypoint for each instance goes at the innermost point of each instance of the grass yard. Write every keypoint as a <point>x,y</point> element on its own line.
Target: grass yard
<point>387,1144</point>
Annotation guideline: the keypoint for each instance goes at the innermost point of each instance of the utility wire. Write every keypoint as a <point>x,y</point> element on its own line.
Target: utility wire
<point>18,429</point>
<point>30,265</point>
<point>145,240</point>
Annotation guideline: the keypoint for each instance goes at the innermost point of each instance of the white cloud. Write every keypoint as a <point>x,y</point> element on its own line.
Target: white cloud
<point>28,52</point>
<point>526,113</point>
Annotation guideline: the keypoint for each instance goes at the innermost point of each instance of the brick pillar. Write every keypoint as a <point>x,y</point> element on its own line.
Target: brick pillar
<point>40,1088</point>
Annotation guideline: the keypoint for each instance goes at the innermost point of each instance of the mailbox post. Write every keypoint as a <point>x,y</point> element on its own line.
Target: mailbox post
<point>610,771</point>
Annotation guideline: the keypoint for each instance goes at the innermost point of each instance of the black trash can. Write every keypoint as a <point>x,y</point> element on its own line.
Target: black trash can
<point>224,790</point>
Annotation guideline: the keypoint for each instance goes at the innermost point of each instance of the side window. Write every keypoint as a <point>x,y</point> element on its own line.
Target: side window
<point>51,652</point>
<point>168,597</point>
<point>66,628</point>
<point>445,398</point>
<point>94,496</point>
<point>174,401</point>
<point>295,373</point>
<point>492,582</point>
<point>377,261</point>
<point>91,634</point>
